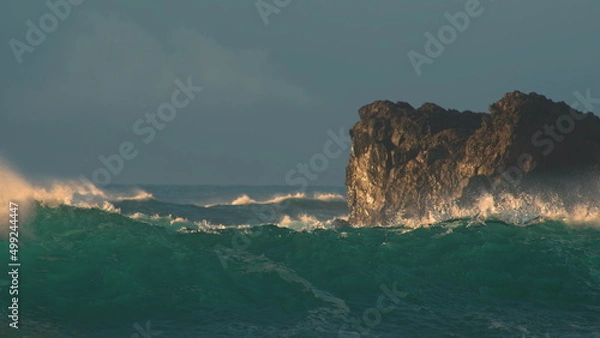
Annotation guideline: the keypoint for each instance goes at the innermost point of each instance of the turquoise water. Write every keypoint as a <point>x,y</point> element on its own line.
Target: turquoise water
<point>94,273</point>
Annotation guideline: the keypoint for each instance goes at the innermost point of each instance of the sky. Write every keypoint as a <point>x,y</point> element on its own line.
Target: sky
<point>280,79</point>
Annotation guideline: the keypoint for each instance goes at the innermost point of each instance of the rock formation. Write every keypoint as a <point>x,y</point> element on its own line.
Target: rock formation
<point>406,161</point>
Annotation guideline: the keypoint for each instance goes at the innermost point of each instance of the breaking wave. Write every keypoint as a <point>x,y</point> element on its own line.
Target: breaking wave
<point>283,281</point>
<point>300,211</point>
<point>521,210</point>
<point>246,200</point>
<point>288,265</point>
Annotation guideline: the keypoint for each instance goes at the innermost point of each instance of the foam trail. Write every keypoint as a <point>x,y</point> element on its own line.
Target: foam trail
<point>180,224</point>
<point>140,195</point>
<point>245,199</point>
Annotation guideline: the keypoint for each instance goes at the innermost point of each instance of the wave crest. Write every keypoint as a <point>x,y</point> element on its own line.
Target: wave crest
<point>54,192</point>
<point>325,197</point>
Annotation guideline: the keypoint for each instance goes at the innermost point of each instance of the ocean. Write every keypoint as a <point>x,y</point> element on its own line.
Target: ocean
<point>248,261</point>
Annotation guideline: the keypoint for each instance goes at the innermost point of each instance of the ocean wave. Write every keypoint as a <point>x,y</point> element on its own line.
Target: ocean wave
<point>520,210</point>
<point>54,192</point>
<point>300,211</point>
<point>138,195</point>
<point>247,200</point>
<point>179,224</point>
<point>305,222</point>
<point>307,281</point>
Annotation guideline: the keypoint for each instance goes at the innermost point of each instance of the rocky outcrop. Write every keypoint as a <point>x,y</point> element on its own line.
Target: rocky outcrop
<point>406,161</point>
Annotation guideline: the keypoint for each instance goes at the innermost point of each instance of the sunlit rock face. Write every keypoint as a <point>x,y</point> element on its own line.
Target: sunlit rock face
<point>406,161</point>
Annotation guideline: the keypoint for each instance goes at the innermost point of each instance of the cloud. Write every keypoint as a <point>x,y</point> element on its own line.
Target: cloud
<point>114,62</point>
<point>243,74</point>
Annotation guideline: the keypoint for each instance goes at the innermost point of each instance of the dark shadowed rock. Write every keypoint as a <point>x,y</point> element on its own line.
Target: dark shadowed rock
<point>405,161</point>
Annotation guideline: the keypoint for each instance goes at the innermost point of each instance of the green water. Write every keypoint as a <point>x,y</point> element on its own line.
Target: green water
<point>89,273</point>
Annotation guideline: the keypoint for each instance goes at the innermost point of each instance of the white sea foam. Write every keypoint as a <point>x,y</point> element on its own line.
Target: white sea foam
<point>306,222</point>
<point>245,199</point>
<point>52,192</point>
<point>523,209</point>
<point>138,195</point>
<point>180,224</point>
<point>16,188</point>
